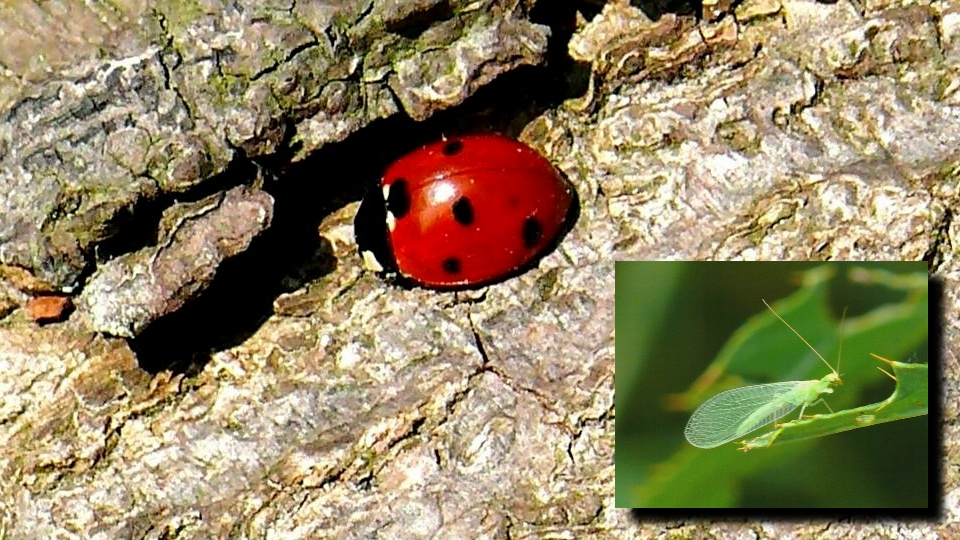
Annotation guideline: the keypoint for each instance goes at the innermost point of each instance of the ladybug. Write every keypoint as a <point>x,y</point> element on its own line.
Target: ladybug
<point>464,212</point>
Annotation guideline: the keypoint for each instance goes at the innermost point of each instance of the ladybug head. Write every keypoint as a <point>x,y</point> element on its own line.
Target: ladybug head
<point>371,235</point>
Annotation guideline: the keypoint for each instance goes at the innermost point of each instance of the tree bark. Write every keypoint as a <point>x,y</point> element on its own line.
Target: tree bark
<point>336,406</point>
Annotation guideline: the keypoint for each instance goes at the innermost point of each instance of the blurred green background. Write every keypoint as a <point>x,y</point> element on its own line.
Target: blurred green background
<point>688,330</point>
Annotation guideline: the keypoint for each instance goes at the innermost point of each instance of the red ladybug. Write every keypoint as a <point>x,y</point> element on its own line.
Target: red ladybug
<point>465,212</point>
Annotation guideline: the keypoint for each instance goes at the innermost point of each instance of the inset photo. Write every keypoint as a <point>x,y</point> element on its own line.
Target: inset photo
<point>753,385</point>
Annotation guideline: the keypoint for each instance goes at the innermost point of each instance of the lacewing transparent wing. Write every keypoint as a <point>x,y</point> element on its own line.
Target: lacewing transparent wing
<point>732,414</point>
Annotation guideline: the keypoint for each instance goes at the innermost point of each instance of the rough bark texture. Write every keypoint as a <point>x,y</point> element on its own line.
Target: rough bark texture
<point>782,130</point>
<point>128,293</point>
<point>114,105</point>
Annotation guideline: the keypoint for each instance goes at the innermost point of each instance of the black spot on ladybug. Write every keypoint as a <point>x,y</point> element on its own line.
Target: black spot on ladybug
<point>452,148</point>
<point>451,265</point>
<point>398,198</point>
<point>532,232</point>
<point>463,211</point>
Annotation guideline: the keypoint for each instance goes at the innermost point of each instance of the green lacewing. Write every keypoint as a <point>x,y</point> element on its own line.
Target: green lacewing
<point>732,414</point>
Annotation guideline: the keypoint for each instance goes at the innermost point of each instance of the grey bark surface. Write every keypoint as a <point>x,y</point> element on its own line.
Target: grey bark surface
<point>152,102</point>
<point>133,290</point>
<point>783,130</point>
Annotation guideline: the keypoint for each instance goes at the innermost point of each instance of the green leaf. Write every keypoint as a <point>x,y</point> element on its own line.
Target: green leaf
<point>909,399</point>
